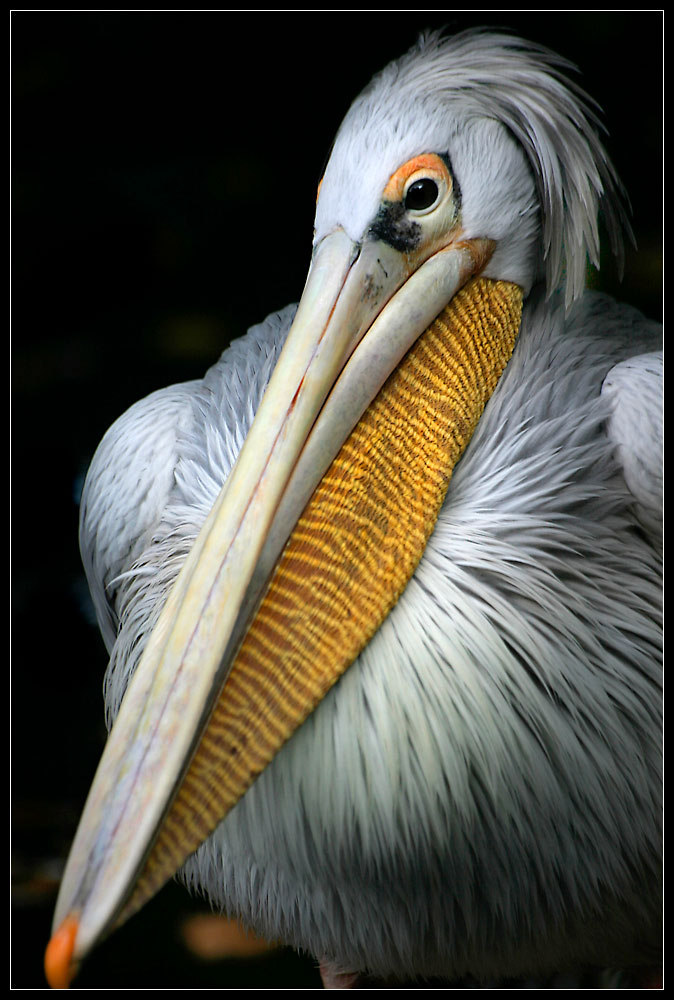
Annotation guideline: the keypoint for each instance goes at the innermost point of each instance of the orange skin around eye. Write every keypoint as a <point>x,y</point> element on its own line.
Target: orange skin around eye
<point>428,164</point>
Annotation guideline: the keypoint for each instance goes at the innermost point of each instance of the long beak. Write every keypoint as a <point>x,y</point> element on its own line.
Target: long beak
<point>361,310</point>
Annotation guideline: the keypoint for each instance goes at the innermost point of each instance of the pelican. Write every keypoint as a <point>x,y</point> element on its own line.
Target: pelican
<point>381,591</point>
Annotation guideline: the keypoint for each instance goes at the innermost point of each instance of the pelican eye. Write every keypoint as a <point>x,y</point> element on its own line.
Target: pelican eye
<point>421,195</point>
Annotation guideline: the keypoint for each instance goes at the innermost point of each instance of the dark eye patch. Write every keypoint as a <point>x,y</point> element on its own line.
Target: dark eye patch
<point>394,227</point>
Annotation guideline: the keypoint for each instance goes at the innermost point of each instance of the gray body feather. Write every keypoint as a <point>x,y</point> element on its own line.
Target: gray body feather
<point>478,790</point>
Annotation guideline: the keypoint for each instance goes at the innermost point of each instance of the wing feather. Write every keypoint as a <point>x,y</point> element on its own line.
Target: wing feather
<point>127,487</point>
<point>634,391</point>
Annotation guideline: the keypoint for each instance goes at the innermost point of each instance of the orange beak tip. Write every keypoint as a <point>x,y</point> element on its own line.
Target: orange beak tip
<point>58,958</point>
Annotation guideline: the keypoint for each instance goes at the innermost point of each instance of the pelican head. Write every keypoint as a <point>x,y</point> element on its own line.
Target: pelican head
<point>526,162</point>
<point>467,172</point>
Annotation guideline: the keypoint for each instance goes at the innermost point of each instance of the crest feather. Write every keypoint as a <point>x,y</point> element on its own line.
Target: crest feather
<point>526,87</point>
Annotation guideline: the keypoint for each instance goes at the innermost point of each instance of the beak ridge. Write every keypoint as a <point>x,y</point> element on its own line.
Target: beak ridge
<point>361,310</point>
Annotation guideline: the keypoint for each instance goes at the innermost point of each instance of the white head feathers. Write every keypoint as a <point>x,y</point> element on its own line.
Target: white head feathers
<point>521,138</point>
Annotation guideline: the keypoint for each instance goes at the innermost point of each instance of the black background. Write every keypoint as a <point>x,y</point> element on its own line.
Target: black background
<point>164,175</point>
